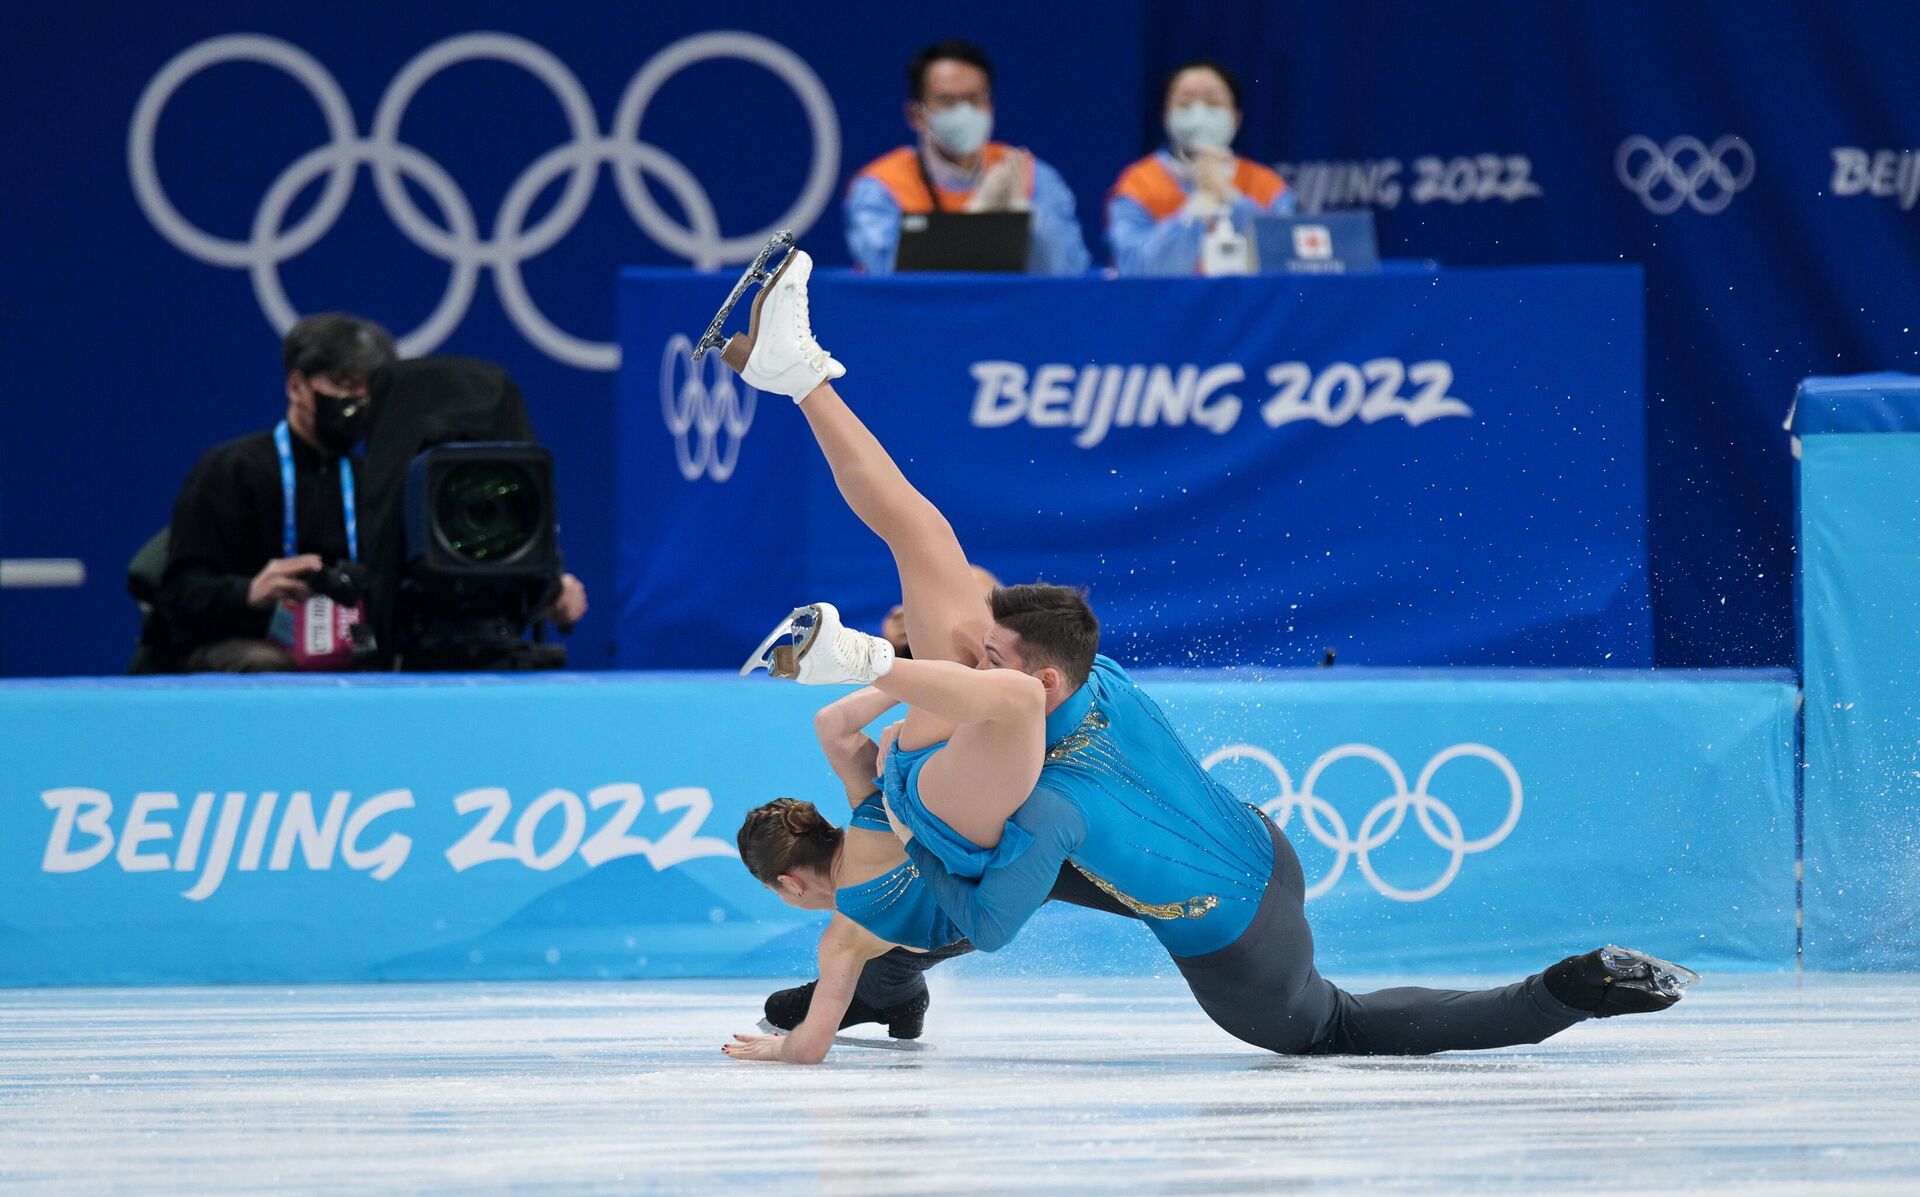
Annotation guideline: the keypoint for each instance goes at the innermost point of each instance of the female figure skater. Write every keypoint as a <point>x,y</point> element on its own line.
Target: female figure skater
<point>860,873</point>
<point>981,772</point>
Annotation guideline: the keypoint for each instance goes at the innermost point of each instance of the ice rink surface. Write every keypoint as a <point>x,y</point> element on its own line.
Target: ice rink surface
<point>1754,1084</point>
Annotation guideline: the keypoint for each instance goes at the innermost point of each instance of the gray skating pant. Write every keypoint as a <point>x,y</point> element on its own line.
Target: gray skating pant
<point>1263,989</point>
<point>896,976</point>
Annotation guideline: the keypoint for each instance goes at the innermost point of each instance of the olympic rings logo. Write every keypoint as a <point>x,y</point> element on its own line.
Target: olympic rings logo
<point>1685,171</point>
<point>704,411</point>
<point>1384,821</point>
<point>269,245</point>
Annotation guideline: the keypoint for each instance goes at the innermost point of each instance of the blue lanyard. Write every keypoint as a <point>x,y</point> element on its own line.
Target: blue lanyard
<point>283,441</point>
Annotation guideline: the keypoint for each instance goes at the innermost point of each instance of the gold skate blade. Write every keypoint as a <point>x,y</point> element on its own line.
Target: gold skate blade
<point>783,664</point>
<point>756,272</point>
<point>740,345</point>
<point>783,660</point>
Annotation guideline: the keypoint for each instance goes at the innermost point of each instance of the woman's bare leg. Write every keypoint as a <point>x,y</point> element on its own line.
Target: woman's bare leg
<point>992,758</point>
<point>994,727</point>
<point>947,619</point>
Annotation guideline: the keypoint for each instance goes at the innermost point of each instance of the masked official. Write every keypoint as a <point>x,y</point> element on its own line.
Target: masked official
<point>956,166</point>
<point>1168,207</point>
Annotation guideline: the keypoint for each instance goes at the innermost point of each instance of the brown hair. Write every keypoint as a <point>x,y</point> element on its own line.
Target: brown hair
<point>1055,625</point>
<point>786,836</point>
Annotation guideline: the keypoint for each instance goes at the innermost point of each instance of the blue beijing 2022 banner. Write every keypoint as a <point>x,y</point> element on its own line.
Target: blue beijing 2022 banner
<point>1413,468</point>
<point>548,827</point>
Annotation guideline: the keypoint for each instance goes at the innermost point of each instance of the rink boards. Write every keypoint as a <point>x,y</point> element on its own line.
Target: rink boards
<point>181,831</point>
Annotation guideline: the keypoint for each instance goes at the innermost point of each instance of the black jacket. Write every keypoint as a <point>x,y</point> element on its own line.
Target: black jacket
<point>227,524</point>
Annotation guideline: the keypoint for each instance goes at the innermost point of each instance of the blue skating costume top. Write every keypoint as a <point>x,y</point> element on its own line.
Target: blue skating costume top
<point>1123,801</point>
<point>897,906</point>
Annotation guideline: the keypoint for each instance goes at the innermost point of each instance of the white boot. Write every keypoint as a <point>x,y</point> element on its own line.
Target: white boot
<point>820,651</point>
<point>777,353</point>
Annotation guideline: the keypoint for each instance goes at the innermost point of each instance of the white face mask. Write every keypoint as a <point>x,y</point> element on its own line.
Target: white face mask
<point>961,130</point>
<point>1200,126</point>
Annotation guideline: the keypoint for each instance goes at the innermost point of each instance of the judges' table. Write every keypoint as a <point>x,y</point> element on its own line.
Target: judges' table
<point>1411,468</point>
<point>261,829</point>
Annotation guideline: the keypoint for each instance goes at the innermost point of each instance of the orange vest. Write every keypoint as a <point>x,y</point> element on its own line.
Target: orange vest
<point>1153,186</point>
<point>899,172</point>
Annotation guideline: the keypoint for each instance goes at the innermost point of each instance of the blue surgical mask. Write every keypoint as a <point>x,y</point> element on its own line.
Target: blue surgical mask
<point>961,130</point>
<point>1200,126</point>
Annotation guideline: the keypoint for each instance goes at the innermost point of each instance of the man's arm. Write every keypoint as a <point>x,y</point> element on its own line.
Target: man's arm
<point>991,911</point>
<point>840,728</point>
<point>1058,247</point>
<point>211,588</point>
<point>845,948</point>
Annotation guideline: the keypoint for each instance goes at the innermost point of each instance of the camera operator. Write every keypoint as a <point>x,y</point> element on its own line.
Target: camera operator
<point>261,517</point>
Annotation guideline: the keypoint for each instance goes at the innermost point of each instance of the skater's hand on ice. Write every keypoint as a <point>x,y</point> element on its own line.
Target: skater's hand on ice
<point>754,1047</point>
<point>899,828</point>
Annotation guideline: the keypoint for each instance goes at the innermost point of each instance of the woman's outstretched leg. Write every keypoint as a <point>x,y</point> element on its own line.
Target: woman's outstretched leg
<point>947,619</point>
<point>993,727</point>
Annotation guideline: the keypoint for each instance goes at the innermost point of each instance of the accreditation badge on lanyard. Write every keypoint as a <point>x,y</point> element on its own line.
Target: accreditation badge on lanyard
<point>317,630</point>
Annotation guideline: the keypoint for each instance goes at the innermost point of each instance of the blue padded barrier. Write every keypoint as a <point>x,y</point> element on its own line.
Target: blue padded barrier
<point>279,830</point>
<point>1859,594</point>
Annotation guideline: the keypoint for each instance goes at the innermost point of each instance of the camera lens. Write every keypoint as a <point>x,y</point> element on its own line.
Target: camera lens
<point>487,511</point>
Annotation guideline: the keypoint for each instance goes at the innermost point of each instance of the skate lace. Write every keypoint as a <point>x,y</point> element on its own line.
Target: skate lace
<point>810,350</point>
<point>854,651</point>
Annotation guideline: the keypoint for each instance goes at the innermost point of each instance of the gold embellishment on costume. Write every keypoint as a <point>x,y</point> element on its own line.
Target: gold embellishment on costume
<point>1192,908</point>
<point>1080,737</point>
<point>895,890</point>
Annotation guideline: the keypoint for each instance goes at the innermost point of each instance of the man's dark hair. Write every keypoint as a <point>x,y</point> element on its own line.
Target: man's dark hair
<point>337,345</point>
<point>1055,625</point>
<point>1207,64</point>
<point>954,48</point>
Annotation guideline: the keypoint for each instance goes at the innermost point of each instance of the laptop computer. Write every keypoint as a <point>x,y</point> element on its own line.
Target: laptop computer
<point>1324,243</point>
<point>970,241</point>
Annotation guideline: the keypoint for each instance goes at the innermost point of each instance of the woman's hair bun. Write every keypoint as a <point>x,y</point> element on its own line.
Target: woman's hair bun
<point>784,835</point>
<point>800,818</point>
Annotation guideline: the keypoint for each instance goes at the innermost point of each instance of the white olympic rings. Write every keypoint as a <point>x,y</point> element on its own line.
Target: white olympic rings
<point>705,404</point>
<point>1381,823</point>
<point>458,241</point>
<point>1685,171</point>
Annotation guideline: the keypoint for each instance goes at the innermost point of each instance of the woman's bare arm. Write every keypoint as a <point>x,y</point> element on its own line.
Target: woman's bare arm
<point>854,757</point>
<point>845,948</point>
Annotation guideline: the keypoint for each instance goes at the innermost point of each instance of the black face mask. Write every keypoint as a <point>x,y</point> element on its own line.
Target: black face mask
<point>339,421</point>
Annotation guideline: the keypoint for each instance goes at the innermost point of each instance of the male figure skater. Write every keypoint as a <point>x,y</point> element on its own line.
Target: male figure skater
<point>1118,795</point>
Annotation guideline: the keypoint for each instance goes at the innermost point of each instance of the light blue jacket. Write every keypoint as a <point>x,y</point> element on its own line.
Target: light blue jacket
<point>873,226</point>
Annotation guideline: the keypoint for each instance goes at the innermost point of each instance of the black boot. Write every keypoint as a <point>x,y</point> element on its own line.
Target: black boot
<point>904,1020</point>
<point>1613,980</point>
